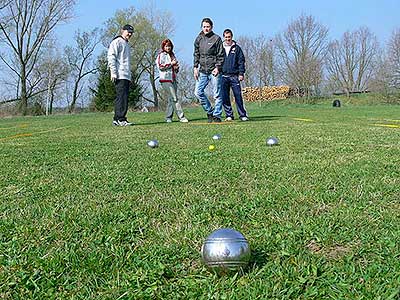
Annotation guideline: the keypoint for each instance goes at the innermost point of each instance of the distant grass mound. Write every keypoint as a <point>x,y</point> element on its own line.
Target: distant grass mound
<point>89,211</point>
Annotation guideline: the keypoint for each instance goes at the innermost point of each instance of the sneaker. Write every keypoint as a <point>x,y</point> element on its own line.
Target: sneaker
<point>209,118</point>
<point>115,123</point>
<point>183,120</point>
<point>168,120</point>
<point>124,123</point>
<point>244,119</point>
<point>217,119</point>
<point>229,119</point>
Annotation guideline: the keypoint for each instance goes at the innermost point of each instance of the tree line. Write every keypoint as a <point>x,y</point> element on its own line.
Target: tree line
<point>36,74</point>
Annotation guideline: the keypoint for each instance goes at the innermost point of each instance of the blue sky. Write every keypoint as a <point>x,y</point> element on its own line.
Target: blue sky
<point>249,18</point>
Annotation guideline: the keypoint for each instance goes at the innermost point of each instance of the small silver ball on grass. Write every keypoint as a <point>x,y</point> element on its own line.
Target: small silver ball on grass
<point>152,144</point>
<point>272,141</point>
<point>226,251</point>
<point>216,137</point>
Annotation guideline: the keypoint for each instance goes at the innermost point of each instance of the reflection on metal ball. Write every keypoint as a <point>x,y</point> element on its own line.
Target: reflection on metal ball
<point>216,137</point>
<point>226,251</point>
<point>336,103</point>
<point>152,144</point>
<point>272,141</point>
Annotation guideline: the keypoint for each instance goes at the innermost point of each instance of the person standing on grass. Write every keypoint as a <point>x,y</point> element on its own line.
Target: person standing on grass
<point>208,58</point>
<point>233,71</point>
<point>118,57</point>
<point>168,67</point>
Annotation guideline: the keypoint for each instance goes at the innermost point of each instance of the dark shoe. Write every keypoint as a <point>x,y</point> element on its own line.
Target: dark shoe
<point>209,118</point>
<point>217,119</point>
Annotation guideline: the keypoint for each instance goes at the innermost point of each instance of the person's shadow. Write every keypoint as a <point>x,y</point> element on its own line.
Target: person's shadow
<point>204,120</point>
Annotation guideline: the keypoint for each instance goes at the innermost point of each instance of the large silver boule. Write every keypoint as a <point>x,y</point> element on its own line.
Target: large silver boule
<point>152,144</point>
<point>272,141</point>
<point>216,137</point>
<point>226,251</point>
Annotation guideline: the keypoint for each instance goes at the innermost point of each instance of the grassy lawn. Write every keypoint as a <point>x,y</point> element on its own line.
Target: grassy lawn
<point>88,211</point>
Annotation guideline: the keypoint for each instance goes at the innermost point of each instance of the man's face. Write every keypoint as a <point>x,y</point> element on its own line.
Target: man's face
<point>126,34</point>
<point>206,27</point>
<point>228,38</point>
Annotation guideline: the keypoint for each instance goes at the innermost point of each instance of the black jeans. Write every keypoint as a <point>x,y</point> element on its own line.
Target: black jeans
<point>121,101</point>
<point>228,82</point>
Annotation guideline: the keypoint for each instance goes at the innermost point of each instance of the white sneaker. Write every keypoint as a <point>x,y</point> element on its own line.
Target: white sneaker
<point>125,123</point>
<point>244,118</point>
<point>184,120</point>
<point>229,119</point>
<point>121,123</point>
<point>168,120</point>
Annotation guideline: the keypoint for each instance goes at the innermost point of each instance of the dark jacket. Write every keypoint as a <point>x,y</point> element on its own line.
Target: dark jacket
<point>234,62</point>
<point>208,52</point>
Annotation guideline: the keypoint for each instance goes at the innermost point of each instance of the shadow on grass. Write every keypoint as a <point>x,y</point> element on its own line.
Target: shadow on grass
<point>266,118</point>
<point>258,258</point>
<point>204,120</point>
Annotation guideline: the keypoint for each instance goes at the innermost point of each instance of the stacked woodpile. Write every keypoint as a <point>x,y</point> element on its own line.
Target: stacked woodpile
<point>265,93</point>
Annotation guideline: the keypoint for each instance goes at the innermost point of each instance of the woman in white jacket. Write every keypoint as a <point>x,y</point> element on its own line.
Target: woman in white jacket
<point>168,67</point>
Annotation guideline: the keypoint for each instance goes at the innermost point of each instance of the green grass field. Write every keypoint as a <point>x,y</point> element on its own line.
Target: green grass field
<point>88,211</point>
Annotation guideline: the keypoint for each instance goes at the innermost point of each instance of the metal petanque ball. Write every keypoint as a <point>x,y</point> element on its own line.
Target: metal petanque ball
<point>216,137</point>
<point>336,103</point>
<point>272,141</point>
<point>226,251</point>
<point>152,144</point>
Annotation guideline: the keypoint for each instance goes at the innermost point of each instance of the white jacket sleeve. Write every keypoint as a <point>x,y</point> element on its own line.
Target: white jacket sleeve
<point>112,57</point>
<point>164,61</point>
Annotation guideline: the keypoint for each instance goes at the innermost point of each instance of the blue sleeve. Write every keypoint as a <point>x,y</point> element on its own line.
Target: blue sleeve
<point>241,62</point>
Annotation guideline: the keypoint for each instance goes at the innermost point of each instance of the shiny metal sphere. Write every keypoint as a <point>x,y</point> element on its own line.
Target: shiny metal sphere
<point>216,137</point>
<point>272,141</point>
<point>152,144</point>
<point>226,251</point>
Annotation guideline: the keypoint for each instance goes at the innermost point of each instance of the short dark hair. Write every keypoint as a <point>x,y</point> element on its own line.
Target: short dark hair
<point>207,20</point>
<point>228,31</point>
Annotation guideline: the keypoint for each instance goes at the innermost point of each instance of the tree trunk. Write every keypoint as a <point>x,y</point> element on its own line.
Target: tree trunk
<point>74,98</point>
<point>154,89</point>
<point>23,104</point>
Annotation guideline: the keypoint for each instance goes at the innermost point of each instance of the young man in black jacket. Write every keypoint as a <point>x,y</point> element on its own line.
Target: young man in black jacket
<point>233,71</point>
<point>208,58</point>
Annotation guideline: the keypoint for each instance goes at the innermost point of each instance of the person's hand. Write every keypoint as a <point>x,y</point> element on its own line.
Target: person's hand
<point>215,72</point>
<point>113,78</point>
<point>241,77</point>
<point>196,73</point>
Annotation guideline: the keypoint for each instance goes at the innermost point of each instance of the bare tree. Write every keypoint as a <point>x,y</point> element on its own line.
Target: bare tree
<point>24,27</point>
<point>81,61</point>
<point>394,58</point>
<point>260,54</point>
<point>186,84</point>
<point>301,48</point>
<point>4,3</point>
<point>55,71</point>
<point>351,62</point>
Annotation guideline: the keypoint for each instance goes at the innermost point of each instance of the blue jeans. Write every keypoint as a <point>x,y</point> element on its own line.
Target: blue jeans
<point>201,85</point>
<point>233,82</point>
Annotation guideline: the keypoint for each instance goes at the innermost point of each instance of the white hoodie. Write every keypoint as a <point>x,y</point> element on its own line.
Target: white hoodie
<point>119,57</point>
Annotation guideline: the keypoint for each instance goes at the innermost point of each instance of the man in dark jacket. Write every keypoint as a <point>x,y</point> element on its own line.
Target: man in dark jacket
<point>233,71</point>
<point>208,58</point>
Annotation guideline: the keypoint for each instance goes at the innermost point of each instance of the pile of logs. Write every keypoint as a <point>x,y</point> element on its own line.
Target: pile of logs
<point>266,93</point>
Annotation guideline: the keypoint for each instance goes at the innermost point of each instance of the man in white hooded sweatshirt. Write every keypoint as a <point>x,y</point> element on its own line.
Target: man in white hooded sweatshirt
<point>118,57</point>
